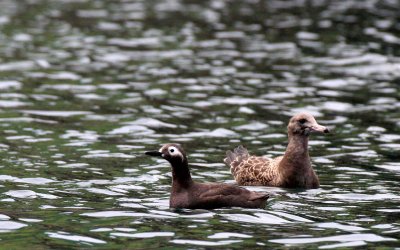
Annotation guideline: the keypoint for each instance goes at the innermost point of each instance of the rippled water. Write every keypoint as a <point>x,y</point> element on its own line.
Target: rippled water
<point>87,86</point>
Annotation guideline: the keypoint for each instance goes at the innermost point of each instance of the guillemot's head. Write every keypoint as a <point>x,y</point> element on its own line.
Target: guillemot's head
<point>304,124</point>
<point>171,152</point>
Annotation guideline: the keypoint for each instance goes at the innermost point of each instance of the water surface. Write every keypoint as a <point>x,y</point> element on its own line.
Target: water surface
<point>87,86</point>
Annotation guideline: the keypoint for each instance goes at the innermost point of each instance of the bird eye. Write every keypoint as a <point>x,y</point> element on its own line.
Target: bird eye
<point>302,121</point>
<point>171,150</point>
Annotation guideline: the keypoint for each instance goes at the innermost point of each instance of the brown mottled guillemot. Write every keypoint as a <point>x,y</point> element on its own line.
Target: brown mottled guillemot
<point>186,193</point>
<point>292,170</point>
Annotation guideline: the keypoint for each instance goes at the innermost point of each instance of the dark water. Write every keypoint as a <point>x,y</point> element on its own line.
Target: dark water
<point>87,86</point>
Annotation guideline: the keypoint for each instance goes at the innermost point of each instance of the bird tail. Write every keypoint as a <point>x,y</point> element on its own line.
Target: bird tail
<point>260,199</point>
<point>233,159</point>
<point>263,196</point>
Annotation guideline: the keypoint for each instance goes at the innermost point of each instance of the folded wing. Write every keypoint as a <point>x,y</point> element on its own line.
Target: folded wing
<point>252,170</point>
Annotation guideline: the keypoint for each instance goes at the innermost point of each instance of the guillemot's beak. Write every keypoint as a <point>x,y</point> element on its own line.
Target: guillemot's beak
<point>319,129</point>
<point>154,153</point>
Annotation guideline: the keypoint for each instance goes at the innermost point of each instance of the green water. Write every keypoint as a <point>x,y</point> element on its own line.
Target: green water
<point>87,86</point>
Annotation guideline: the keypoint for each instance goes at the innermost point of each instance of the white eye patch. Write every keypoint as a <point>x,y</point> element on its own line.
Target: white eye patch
<point>174,152</point>
<point>172,149</point>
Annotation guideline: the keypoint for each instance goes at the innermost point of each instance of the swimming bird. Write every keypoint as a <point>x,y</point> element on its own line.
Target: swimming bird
<point>186,193</point>
<point>292,170</point>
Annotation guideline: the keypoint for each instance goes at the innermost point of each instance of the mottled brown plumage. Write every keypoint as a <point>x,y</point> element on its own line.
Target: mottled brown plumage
<point>292,170</point>
<point>186,193</point>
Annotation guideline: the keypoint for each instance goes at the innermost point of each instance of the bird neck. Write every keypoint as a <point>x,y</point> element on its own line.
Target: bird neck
<point>296,154</point>
<point>181,177</point>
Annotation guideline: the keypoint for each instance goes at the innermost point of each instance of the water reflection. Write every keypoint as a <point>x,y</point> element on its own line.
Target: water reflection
<point>350,239</point>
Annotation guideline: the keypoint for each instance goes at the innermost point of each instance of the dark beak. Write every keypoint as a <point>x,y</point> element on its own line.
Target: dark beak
<point>154,153</point>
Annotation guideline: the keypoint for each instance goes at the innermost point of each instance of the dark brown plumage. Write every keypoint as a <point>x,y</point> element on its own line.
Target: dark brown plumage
<point>292,170</point>
<point>186,193</point>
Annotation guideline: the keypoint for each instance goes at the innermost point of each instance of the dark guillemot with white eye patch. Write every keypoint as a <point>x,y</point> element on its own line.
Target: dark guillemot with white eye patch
<point>186,193</point>
<point>292,170</point>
